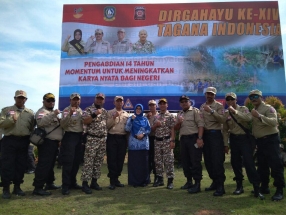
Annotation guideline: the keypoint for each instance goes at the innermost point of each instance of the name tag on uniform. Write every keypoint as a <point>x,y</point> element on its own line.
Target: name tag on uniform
<point>66,113</point>
<point>11,112</point>
<point>74,114</point>
<point>41,115</point>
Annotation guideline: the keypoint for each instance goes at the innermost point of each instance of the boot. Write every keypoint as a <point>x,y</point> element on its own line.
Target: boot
<point>211,187</point>
<point>6,192</point>
<point>239,188</point>
<point>52,187</point>
<point>94,184</point>
<point>170,184</point>
<point>118,183</point>
<point>17,191</point>
<point>278,195</point>
<point>155,178</point>
<point>85,188</point>
<point>196,188</point>
<point>112,184</point>
<point>188,184</point>
<point>65,190</point>
<point>159,182</point>
<point>219,190</point>
<point>40,192</point>
<point>257,193</point>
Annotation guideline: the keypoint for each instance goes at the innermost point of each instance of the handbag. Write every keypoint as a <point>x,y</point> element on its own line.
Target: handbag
<point>251,138</point>
<point>38,135</point>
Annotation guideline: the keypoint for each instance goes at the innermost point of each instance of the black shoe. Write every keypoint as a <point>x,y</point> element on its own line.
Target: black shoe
<point>187,185</point>
<point>6,193</point>
<point>278,195</point>
<point>17,191</point>
<point>94,185</point>
<point>196,188</point>
<point>159,182</point>
<point>239,188</point>
<point>85,188</point>
<point>52,187</point>
<point>30,172</point>
<point>41,192</point>
<point>111,187</point>
<point>118,184</point>
<point>76,187</point>
<point>65,191</point>
<point>211,187</point>
<point>219,191</point>
<point>170,184</point>
<point>256,192</point>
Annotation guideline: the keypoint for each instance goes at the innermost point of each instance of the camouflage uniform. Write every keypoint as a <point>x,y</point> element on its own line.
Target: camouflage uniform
<point>163,153</point>
<point>95,145</point>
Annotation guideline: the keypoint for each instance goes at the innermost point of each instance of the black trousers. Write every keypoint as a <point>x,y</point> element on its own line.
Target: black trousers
<point>31,159</point>
<point>191,157</point>
<point>116,146</point>
<point>14,159</point>
<point>214,156</point>
<point>151,155</point>
<point>268,152</point>
<point>242,152</point>
<point>70,155</point>
<point>47,153</point>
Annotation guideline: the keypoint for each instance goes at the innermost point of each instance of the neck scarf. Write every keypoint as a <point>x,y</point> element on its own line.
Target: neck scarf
<point>140,122</point>
<point>76,43</point>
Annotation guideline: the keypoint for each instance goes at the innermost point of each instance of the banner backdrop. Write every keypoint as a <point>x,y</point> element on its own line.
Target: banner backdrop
<point>149,51</point>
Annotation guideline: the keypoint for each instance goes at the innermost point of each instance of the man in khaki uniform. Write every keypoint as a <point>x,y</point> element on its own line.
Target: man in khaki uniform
<point>164,144</point>
<point>151,116</point>
<point>47,119</point>
<point>70,151</point>
<point>265,130</point>
<point>17,123</point>
<point>116,143</point>
<point>240,144</point>
<point>122,45</point>
<point>96,45</point>
<point>214,148</point>
<point>95,118</point>
<point>191,128</point>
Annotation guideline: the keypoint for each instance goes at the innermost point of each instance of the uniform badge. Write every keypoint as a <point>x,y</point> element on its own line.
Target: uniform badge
<point>65,113</point>
<point>11,112</point>
<point>41,115</point>
<point>272,110</point>
<point>109,13</point>
<point>74,114</point>
<point>139,13</point>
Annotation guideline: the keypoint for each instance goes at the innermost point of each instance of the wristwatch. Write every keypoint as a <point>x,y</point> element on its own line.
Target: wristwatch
<point>200,138</point>
<point>212,111</point>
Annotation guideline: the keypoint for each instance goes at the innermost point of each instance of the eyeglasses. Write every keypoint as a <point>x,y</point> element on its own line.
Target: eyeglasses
<point>98,34</point>
<point>229,99</point>
<point>50,100</point>
<point>252,97</point>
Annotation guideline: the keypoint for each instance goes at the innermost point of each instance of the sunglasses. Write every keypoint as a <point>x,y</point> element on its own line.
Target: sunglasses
<point>229,99</point>
<point>184,101</point>
<point>252,97</point>
<point>50,100</point>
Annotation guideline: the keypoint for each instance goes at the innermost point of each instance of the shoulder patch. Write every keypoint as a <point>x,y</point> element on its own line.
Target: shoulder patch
<point>272,110</point>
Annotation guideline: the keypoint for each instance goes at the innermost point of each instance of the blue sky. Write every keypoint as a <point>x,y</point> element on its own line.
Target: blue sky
<point>30,48</point>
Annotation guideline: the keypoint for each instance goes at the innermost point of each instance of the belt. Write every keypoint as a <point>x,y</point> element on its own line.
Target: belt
<point>162,138</point>
<point>17,137</point>
<point>211,131</point>
<point>117,135</point>
<point>267,136</point>
<point>189,135</point>
<point>238,135</point>
<point>93,135</point>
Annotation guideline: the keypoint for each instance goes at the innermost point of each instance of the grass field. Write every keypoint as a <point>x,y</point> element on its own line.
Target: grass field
<point>147,200</point>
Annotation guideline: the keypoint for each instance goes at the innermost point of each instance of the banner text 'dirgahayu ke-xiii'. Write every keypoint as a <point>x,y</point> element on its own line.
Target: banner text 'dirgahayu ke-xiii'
<point>149,51</point>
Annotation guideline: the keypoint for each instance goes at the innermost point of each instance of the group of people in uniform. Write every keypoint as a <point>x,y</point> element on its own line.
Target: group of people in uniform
<point>208,131</point>
<point>96,45</point>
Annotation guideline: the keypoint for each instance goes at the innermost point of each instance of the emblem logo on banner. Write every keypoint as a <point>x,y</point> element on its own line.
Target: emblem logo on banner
<point>77,13</point>
<point>109,13</point>
<point>139,13</point>
<point>128,104</point>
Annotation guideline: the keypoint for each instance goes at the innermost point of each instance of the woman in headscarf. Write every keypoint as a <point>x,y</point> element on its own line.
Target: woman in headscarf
<point>75,46</point>
<point>138,147</point>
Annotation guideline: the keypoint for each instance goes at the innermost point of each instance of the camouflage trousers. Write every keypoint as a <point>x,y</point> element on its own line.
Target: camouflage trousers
<point>164,157</point>
<point>95,149</point>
